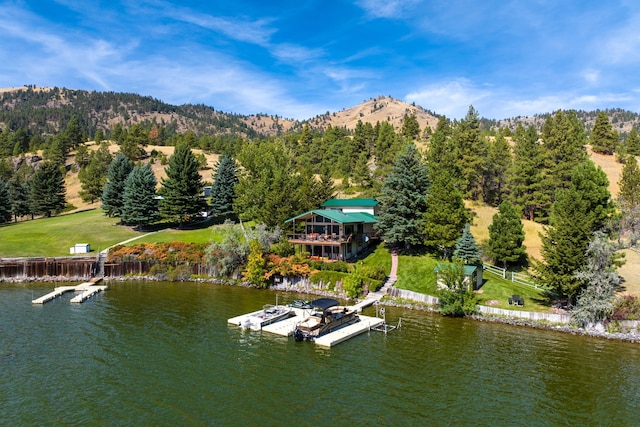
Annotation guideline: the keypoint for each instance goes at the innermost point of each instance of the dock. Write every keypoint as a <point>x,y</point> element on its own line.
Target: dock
<point>287,326</point>
<point>88,290</point>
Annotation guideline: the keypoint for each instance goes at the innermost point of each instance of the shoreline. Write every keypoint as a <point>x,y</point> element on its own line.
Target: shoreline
<point>632,337</point>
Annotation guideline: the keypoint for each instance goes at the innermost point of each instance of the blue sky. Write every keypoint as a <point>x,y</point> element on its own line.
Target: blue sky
<point>302,58</point>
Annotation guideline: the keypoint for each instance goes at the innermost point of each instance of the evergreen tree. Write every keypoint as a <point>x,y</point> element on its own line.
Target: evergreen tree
<point>603,138</point>
<point>267,189</point>
<point>222,191</point>
<point>83,156</point>
<point>506,234</point>
<point>445,216</point>
<point>140,206</point>
<point>498,163</point>
<point>5,203</point>
<point>524,177</point>
<point>600,280</point>
<point>72,135</point>
<point>563,142</point>
<point>113,191</point>
<point>593,185</point>
<point>19,196</point>
<point>47,190</point>
<point>466,248</point>
<point>632,145</point>
<point>99,136</point>
<point>388,145</point>
<point>182,189</point>
<point>471,152</point>
<point>94,175</point>
<point>629,201</point>
<point>133,142</point>
<point>410,127</point>
<point>440,156</point>
<point>403,201</point>
<point>361,173</point>
<point>577,212</point>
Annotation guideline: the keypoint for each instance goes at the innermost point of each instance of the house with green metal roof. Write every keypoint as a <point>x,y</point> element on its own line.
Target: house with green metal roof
<point>341,230</point>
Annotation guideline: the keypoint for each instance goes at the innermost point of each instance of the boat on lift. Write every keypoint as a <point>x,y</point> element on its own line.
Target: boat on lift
<point>327,316</point>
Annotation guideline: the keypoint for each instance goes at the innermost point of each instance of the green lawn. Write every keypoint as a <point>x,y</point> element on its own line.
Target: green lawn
<point>415,273</point>
<point>201,235</point>
<point>498,289</point>
<point>380,256</point>
<point>54,236</point>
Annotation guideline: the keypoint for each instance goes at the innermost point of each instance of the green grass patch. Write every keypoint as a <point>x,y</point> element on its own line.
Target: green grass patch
<point>54,236</point>
<point>498,289</point>
<point>415,273</point>
<point>201,235</point>
<point>380,256</point>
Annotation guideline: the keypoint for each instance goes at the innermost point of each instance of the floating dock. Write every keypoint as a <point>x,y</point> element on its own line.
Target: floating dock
<point>286,327</point>
<point>88,289</point>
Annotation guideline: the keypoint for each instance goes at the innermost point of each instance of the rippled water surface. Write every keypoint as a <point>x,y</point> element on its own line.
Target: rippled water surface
<point>163,354</point>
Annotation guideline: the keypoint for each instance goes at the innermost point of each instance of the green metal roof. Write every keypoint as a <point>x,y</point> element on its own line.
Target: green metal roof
<point>349,203</point>
<point>468,269</point>
<point>339,216</point>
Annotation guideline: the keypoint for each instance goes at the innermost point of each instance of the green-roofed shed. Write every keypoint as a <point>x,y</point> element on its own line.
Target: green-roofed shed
<point>472,274</point>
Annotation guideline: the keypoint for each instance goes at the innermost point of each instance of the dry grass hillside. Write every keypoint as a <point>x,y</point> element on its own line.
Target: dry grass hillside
<point>380,109</point>
<point>73,184</point>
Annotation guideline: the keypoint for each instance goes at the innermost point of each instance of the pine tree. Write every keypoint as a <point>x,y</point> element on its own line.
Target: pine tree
<point>563,142</point>
<point>506,234</point>
<point>182,189</point>
<point>441,157</point>
<point>525,174</point>
<point>361,173</point>
<point>47,190</point>
<point>410,127</point>
<point>222,191</point>
<point>403,201</point>
<point>577,212</point>
<point>94,175</point>
<point>140,205</point>
<point>5,203</point>
<point>113,191</point>
<point>471,151</point>
<point>629,201</point>
<point>632,145</point>
<point>133,142</point>
<point>603,138</point>
<point>445,216</point>
<point>19,196</point>
<point>498,163</point>
<point>466,248</point>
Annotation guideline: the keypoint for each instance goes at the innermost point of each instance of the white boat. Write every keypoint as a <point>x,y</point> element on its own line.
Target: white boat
<point>270,314</point>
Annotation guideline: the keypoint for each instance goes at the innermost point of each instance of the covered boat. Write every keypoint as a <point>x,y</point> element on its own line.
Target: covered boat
<point>270,314</point>
<point>328,315</point>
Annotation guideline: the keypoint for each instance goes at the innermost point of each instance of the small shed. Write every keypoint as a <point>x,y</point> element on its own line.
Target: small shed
<point>472,275</point>
<point>80,248</point>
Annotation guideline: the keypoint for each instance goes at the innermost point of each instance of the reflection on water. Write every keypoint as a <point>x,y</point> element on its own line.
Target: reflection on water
<point>162,353</point>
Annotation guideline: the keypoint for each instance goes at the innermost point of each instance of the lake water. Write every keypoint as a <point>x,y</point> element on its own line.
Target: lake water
<point>163,354</point>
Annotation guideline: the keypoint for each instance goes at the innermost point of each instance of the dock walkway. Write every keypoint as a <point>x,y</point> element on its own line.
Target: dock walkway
<point>88,289</point>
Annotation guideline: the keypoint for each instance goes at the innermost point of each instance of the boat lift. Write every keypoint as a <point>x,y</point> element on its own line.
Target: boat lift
<point>384,326</point>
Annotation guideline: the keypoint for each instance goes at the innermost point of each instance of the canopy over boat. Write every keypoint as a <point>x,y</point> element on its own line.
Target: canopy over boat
<point>324,303</point>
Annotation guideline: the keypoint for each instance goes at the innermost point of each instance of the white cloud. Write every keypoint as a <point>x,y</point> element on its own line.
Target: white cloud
<point>451,98</point>
<point>391,9</point>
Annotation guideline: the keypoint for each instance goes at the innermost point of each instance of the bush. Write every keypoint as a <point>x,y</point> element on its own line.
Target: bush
<point>626,307</point>
<point>159,271</point>
<point>375,272</point>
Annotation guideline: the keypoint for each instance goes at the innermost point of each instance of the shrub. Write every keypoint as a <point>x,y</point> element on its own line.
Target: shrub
<point>159,271</point>
<point>626,307</point>
<point>375,272</point>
